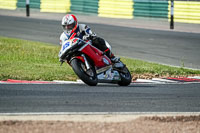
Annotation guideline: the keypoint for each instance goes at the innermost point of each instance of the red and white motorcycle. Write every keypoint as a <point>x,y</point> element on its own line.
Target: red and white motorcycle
<point>91,65</point>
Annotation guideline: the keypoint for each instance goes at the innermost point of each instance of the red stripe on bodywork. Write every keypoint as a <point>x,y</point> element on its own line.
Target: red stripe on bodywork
<point>107,50</point>
<point>72,36</point>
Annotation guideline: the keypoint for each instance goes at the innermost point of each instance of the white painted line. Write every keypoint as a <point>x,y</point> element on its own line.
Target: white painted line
<point>89,116</point>
<point>147,81</point>
<point>79,81</point>
<point>2,82</point>
<point>69,82</point>
<point>65,82</point>
<point>164,80</point>
<point>101,113</point>
<point>195,77</point>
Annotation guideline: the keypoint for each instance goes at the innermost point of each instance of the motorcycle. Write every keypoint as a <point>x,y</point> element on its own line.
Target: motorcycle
<point>91,65</point>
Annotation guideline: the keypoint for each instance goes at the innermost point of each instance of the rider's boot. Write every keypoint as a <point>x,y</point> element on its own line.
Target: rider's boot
<point>113,58</point>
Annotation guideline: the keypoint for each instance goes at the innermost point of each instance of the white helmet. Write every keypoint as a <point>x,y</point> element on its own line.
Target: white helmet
<point>69,23</point>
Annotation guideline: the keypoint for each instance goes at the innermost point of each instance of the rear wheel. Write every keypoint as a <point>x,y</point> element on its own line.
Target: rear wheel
<point>88,76</point>
<point>125,77</point>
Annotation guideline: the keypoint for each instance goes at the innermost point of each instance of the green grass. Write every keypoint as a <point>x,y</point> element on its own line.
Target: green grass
<point>143,67</point>
<point>28,60</point>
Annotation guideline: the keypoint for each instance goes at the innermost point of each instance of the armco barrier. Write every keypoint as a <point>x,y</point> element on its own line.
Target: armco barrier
<point>33,4</point>
<point>116,8</point>
<point>84,6</point>
<point>186,11</point>
<point>151,8</point>
<point>59,6</point>
<point>8,4</point>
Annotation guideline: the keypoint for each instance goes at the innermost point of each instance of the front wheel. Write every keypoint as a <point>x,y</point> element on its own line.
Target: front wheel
<point>87,76</point>
<point>125,77</point>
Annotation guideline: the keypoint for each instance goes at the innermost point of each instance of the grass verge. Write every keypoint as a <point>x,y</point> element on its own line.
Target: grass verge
<point>28,60</point>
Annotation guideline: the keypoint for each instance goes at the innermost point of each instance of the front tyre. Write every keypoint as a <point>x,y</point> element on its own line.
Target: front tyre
<point>125,77</point>
<point>87,76</point>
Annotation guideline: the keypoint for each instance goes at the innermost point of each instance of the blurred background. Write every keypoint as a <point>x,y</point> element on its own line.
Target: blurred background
<point>187,11</point>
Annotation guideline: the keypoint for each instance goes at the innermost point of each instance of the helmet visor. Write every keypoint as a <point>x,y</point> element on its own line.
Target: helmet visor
<point>69,26</point>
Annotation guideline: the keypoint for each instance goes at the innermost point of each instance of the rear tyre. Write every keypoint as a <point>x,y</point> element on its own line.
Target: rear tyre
<point>87,76</point>
<point>125,77</point>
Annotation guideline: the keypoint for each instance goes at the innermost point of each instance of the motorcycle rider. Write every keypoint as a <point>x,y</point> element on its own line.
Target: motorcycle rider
<point>72,29</point>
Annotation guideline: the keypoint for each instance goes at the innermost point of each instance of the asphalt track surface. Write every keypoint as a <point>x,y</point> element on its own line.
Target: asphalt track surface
<point>165,47</point>
<point>173,48</point>
<point>24,98</point>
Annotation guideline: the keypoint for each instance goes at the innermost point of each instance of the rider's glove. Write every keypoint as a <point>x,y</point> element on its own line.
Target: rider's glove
<point>61,60</point>
<point>86,37</point>
<point>93,36</point>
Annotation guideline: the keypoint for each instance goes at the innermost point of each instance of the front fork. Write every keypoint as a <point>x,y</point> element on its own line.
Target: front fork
<point>86,62</point>
<point>83,59</point>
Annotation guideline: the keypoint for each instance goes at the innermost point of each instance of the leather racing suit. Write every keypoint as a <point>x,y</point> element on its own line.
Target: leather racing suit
<point>84,32</point>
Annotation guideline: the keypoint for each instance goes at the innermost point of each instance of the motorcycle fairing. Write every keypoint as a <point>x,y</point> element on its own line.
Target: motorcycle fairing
<point>109,76</point>
<point>96,55</point>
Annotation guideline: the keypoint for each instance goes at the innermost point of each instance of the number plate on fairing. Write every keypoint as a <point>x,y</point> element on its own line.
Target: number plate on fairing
<point>66,45</point>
